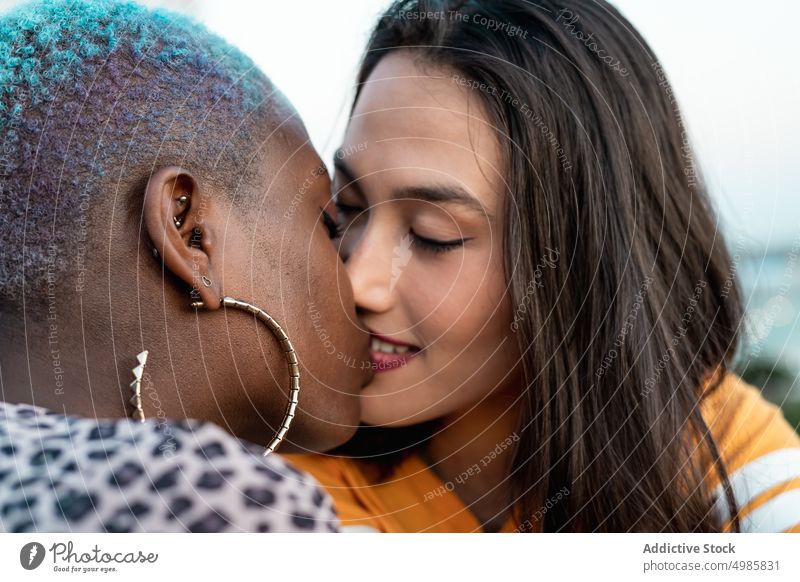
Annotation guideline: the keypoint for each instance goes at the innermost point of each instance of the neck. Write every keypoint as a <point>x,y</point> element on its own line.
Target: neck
<point>473,451</point>
<point>77,356</point>
<point>54,366</point>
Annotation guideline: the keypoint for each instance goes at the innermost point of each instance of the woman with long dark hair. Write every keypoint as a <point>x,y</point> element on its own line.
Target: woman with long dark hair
<point>552,306</point>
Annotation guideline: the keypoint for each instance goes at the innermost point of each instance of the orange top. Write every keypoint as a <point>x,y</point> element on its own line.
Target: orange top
<point>760,449</point>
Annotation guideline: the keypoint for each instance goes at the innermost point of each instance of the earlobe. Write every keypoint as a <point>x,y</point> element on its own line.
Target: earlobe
<point>178,219</point>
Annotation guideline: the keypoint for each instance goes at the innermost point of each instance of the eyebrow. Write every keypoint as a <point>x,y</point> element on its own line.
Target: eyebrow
<point>428,193</point>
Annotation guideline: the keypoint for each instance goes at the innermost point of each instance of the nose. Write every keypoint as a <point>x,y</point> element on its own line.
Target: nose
<point>370,265</point>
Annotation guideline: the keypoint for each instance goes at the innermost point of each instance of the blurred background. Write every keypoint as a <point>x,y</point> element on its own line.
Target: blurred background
<point>736,76</point>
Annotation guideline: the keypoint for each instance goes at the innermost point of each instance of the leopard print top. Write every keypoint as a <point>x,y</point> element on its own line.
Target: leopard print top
<point>67,474</point>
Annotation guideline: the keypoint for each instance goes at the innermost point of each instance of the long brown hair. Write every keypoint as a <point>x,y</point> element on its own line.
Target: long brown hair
<point>639,321</point>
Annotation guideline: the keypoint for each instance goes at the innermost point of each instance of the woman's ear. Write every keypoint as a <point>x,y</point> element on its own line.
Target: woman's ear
<point>179,217</point>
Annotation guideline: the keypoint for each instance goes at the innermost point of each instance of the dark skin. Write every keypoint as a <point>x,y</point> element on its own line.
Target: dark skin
<point>213,364</point>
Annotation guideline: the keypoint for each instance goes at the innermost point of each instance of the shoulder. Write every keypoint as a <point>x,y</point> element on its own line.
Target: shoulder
<point>744,422</point>
<point>328,470</point>
<point>349,484</point>
<point>61,473</point>
<point>761,452</point>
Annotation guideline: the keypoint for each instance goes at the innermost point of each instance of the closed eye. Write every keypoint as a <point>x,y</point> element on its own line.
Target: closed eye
<point>334,229</point>
<point>434,245</point>
<point>347,209</point>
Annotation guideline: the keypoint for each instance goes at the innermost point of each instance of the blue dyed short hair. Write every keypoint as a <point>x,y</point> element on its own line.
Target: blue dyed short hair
<point>95,95</point>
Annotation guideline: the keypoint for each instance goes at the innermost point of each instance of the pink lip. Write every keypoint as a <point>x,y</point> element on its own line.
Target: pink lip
<point>390,340</point>
<point>383,362</point>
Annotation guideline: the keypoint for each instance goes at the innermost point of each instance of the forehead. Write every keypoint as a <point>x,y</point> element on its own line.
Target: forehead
<point>290,174</point>
<point>285,137</point>
<point>413,117</point>
<point>287,154</point>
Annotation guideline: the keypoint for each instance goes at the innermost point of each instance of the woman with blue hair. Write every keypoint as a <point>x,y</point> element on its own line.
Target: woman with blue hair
<point>156,266</point>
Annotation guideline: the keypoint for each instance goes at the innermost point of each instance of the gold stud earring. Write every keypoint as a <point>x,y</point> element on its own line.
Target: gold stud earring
<point>136,387</point>
<point>288,353</point>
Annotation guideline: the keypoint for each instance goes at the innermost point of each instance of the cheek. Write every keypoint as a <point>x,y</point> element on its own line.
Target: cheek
<point>331,348</point>
<point>329,294</point>
<point>462,303</point>
<point>478,349</point>
<point>248,263</point>
<point>472,329</point>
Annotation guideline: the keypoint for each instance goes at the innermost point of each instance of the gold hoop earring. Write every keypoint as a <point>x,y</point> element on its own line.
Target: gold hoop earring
<point>289,354</point>
<point>136,387</point>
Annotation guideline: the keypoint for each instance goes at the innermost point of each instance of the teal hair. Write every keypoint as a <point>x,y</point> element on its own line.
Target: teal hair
<point>97,92</point>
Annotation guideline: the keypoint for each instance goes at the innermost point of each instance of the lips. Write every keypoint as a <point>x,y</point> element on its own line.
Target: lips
<point>390,354</point>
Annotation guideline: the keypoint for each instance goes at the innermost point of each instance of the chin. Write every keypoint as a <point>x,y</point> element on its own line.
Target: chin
<point>386,403</point>
<point>322,440</point>
<point>321,431</point>
<point>392,416</point>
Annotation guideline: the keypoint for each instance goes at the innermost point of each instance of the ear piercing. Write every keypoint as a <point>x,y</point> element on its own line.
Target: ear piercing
<point>136,387</point>
<point>176,219</point>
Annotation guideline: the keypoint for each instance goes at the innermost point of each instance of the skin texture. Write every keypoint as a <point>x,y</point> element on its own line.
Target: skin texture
<point>277,256</point>
<point>87,79</point>
<point>104,137</point>
<point>422,129</point>
<point>224,367</point>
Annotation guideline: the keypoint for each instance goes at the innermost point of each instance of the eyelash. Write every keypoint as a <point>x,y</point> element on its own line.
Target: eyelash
<point>347,209</point>
<point>421,242</point>
<point>334,228</point>
<point>435,246</point>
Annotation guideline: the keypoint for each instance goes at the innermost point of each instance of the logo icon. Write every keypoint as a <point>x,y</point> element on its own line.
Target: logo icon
<point>402,255</point>
<point>31,555</point>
